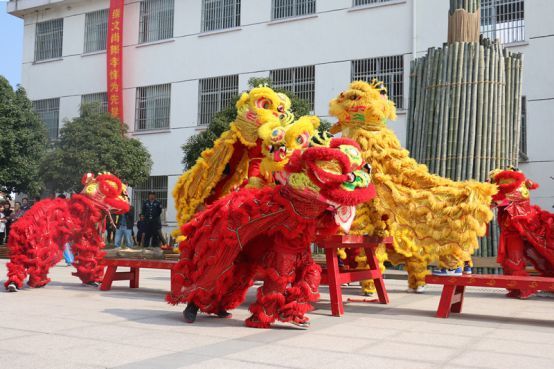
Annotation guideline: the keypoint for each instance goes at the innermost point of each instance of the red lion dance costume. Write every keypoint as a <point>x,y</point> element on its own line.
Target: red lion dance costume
<point>526,231</point>
<point>267,232</point>
<point>37,239</point>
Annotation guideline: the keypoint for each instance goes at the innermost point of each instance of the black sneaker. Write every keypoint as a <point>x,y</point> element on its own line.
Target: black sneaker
<point>91,284</point>
<point>190,312</point>
<point>223,314</point>
<point>12,287</point>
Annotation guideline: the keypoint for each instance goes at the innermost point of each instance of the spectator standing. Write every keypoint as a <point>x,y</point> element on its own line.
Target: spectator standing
<point>17,212</point>
<point>7,211</point>
<point>141,230</point>
<point>124,228</point>
<point>25,204</point>
<point>3,221</point>
<point>152,210</point>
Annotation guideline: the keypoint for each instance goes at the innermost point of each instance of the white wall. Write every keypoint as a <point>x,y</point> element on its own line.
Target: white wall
<point>329,40</point>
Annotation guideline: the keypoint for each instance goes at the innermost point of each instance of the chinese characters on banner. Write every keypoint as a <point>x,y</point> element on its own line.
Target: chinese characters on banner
<point>115,59</point>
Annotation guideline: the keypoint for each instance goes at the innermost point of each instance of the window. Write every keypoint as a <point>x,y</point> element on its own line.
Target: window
<point>156,184</point>
<point>292,8</point>
<point>156,20</point>
<point>215,94</point>
<point>503,19</point>
<point>368,2</point>
<point>523,135</point>
<point>389,69</point>
<point>300,81</point>
<point>49,39</point>
<point>49,112</point>
<point>100,99</point>
<point>153,107</point>
<point>96,31</point>
<point>220,14</point>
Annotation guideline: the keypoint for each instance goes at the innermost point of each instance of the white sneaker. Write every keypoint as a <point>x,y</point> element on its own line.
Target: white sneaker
<point>12,287</point>
<point>420,289</point>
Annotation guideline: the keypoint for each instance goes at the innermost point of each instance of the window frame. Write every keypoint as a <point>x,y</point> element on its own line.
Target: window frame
<point>523,156</point>
<point>48,36</point>
<point>52,105</point>
<point>309,5</point>
<point>153,11</point>
<point>219,22</point>
<point>99,28</point>
<point>102,101</point>
<point>509,32</point>
<point>227,89</point>
<point>369,3</point>
<point>295,82</point>
<point>153,94</point>
<point>396,88</point>
<point>140,194</point>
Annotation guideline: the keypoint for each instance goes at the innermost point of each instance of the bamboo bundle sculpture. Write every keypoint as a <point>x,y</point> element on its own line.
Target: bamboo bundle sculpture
<point>464,113</point>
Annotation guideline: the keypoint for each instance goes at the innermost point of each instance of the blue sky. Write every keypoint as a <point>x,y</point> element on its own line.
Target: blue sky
<point>11,44</point>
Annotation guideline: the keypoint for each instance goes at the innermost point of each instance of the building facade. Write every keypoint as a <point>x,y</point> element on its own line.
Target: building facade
<point>183,60</point>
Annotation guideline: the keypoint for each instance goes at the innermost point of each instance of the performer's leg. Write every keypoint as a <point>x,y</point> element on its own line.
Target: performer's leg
<point>514,262</point>
<point>270,298</point>
<point>17,270</point>
<point>243,277</point>
<point>417,270</point>
<point>302,293</point>
<point>87,255</point>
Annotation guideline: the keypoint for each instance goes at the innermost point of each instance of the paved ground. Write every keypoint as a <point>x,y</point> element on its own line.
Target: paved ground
<point>68,326</point>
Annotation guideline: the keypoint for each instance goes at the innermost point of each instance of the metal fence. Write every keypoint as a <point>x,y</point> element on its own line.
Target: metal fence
<point>368,2</point>
<point>100,100</point>
<point>153,107</point>
<point>96,31</point>
<point>389,69</point>
<point>220,14</point>
<point>292,8</point>
<point>300,81</point>
<point>49,112</point>
<point>49,39</point>
<point>215,94</point>
<point>156,20</point>
<point>503,19</point>
<point>156,184</point>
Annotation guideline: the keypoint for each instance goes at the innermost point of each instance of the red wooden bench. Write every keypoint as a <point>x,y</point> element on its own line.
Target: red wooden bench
<point>334,278</point>
<point>133,275</point>
<point>452,297</point>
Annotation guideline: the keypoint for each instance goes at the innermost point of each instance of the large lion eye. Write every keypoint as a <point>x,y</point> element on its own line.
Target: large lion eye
<point>353,97</point>
<point>280,108</point>
<point>263,103</point>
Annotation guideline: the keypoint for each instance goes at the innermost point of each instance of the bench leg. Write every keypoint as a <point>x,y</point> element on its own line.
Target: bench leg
<point>379,282</point>
<point>108,278</point>
<point>337,308</point>
<point>458,299</point>
<point>446,301</point>
<point>134,283</point>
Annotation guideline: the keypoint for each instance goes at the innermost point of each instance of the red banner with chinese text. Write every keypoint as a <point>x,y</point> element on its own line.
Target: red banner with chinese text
<point>114,54</point>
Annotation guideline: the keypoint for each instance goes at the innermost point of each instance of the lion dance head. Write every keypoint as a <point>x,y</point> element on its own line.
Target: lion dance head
<point>106,190</point>
<point>259,106</point>
<point>512,186</point>
<point>362,105</point>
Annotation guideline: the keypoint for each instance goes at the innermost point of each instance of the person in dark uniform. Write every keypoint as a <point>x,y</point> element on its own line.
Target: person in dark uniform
<point>152,211</point>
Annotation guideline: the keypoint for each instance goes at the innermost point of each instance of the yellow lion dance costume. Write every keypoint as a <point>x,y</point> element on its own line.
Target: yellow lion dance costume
<point>236,154</point>
<point>429,217</point>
